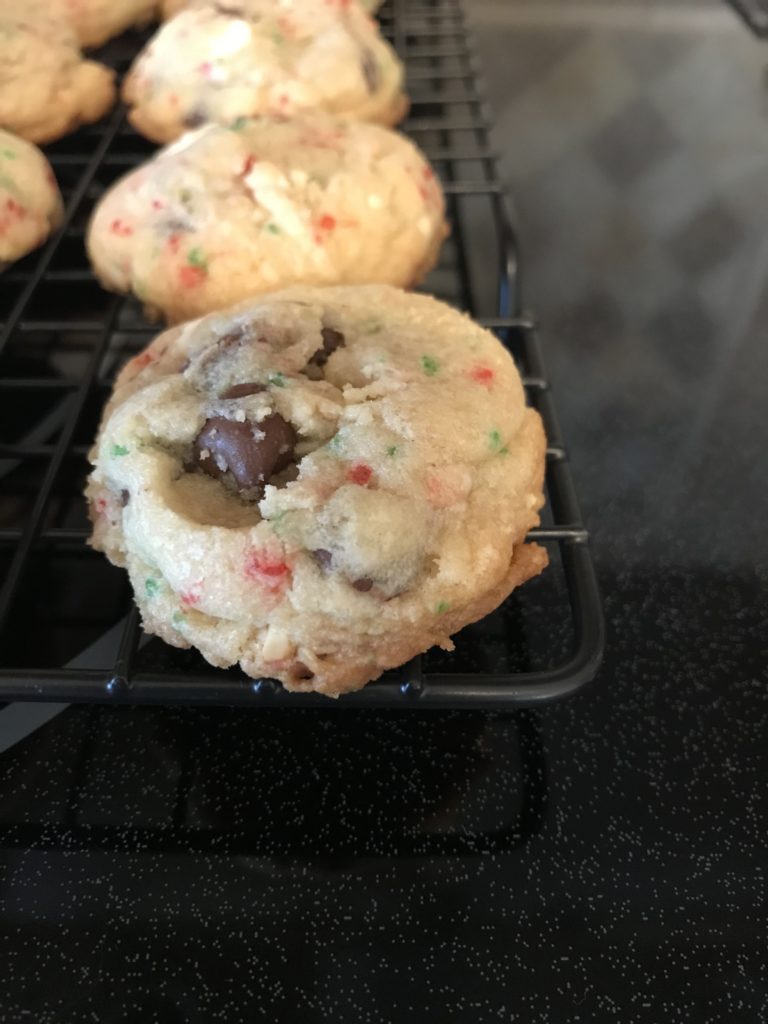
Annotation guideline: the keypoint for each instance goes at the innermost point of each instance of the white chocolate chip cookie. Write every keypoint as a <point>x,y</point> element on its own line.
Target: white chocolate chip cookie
<point>240,58</point>
<point>30,202</point>
<point>321,484</point>
<point>228,213</point>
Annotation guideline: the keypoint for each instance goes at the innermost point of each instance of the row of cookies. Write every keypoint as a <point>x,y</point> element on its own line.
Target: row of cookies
<point>306,189</point>
<point>209,63</point>
<point>316,483</point>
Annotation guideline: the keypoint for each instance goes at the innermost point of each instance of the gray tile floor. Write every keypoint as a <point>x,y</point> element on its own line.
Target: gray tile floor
<point>634,140</point>
<point>635,144</point>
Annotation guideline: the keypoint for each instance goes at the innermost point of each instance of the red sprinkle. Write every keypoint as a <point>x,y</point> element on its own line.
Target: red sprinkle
<point>323,224</point>
<point>119,227</point>
<point>143,359</point>
<point>359,474</point>
<point>16,209</point>
<point>174,241</point>
<point>266,568</point>
<point>205,68</point>
<point>192,596</point>
<point>192,277</point>
<point>101,505</point>
<point>482,374</point>
<point>250,160</point>
<point>158,204</point>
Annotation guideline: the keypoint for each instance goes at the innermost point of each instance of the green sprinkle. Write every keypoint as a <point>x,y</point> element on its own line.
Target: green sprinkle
<point>117,450</point>
<point>277,379</point>
<point>429,365</point>
<point>392,450</point>
<point>152,586</point>
<point>278,38</point>
<point>185,195</point>
<point>273,229</point>
<point>9,154</point>
<point>496,443</point>
<point>276,522</point>
<point>178,620</point>
<point>195,258</point>
<point>442,607</point>
<point>10,184</point>
<point>238,124</point>
<point>335,443</point>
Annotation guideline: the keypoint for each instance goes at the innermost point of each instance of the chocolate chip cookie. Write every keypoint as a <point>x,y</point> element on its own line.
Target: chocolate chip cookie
<point>46,88</point>
<point>227,213</point>
<point>321,484</point>
<point>221,61</point>
<point>30,203</point>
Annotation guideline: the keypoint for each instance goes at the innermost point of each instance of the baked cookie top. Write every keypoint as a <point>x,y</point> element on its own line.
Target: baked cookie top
<point>226,213</point>
<point>168,8</point>
<point>218,62</point>
<point>95,21</point>
<point>30,202</point>
<point>320,485</point>
<point>46,88</point>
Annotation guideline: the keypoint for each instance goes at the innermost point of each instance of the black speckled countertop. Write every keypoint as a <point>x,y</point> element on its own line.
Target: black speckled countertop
<point>599,860</point>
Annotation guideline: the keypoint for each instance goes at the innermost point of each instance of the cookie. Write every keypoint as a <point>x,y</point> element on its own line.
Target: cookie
<point>169,8</point>
<point>46,88</point>
<point>30,202</point>
<point>229,213</point>
<point>321,484</point>
<point>96,21</point>
<point>219,62</point>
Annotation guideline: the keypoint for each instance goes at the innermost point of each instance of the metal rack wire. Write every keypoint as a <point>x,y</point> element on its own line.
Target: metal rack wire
<point>62,339</point>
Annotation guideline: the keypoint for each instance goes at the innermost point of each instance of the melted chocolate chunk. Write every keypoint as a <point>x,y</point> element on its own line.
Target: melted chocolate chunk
<point>233,447</point>
<point>125,497</point>
<point>331,341</point>
<point>242,390</point>
<point>196,117</point>
<point>323,558</point>
<point>370,70</point>
<point>363,585</point>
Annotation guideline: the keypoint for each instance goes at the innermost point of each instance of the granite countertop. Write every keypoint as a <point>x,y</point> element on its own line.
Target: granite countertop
<point>602,859</point>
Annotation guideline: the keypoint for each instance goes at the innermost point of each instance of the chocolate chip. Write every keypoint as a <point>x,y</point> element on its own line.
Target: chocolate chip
<point>323,558</point>
<point>331,341</point>
<point>125,497</point>
<point>174,226</point>
<point>370,70</point>
<point>233,447</point>
<point>301,671</point>
<point>195,118</point>
<point>242,390</point>
<point>363,584</point>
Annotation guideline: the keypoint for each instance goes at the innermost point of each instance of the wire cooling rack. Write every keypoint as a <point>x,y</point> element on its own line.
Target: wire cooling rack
<point>68,628</point>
